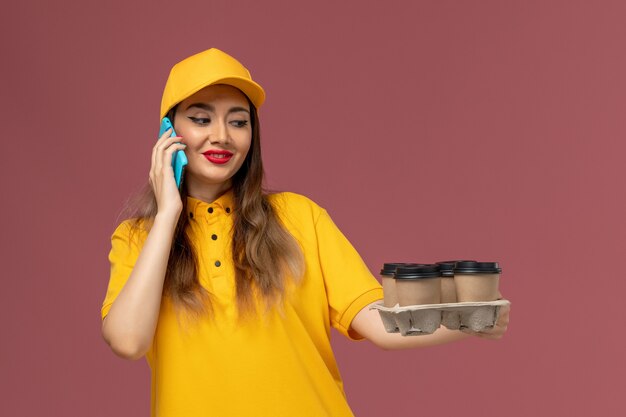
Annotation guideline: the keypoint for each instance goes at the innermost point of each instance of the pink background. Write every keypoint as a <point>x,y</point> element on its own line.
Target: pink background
<point>430,130</point>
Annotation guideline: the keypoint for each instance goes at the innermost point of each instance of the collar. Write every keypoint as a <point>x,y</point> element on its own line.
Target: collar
<point>224,204</point>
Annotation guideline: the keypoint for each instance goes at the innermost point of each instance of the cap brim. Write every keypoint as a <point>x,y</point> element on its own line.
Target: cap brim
<point>252,90</point>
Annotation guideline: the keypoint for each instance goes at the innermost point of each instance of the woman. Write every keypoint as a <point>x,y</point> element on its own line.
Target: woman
<point>229,292</point>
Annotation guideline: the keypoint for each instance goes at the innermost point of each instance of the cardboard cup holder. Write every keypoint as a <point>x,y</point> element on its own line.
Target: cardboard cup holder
<point>423,319</point>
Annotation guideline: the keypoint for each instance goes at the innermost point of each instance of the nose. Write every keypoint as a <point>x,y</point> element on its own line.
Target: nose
<point>220,133</point>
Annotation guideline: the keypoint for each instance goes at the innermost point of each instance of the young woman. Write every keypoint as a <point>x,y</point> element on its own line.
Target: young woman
<point>228,291</point>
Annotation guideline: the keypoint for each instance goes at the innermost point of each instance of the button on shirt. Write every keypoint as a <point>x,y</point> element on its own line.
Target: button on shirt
<point>207,222</point>
<point>279,364</point>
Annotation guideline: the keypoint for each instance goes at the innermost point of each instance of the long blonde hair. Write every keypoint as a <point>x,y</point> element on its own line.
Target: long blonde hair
<point>265,254</point>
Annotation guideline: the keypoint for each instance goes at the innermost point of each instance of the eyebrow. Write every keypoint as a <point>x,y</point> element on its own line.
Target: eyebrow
<point>208,107</point>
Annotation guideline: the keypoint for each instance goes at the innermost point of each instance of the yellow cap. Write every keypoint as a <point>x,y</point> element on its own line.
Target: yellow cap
<point>205,68</point>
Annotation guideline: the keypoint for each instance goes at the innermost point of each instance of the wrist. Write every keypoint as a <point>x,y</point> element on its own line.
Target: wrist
<point>168,217</point>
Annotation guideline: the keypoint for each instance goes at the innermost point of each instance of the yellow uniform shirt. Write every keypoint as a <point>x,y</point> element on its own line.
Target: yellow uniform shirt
<point>277,365</point>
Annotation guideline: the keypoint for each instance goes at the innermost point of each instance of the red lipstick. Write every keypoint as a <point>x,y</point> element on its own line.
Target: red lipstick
<point>218,156</point>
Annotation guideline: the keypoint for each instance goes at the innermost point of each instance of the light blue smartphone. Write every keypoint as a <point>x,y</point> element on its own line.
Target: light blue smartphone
<point>179,159</point>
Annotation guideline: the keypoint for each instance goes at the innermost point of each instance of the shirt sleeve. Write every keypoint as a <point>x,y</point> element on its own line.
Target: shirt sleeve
<point>125,248</point>
<point>350,286</point>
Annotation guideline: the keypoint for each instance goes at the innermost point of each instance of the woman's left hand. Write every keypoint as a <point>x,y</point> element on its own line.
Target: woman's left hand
<point>499,328</point>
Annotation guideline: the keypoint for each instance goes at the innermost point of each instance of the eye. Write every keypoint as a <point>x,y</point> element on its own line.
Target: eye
<point>199,120</point>
<point>239,123</point>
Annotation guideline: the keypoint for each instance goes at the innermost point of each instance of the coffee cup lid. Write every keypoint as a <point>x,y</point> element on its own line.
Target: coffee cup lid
<point>418,271</point>
<point>447,267</point>
<point>473,267</point>
<point>390,268</point>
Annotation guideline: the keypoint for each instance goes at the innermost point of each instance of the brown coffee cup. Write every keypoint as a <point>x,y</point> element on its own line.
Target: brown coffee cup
<point>418,284</point>
<point>477,281</point>
<point>448,287</point>
<point>387,275</point>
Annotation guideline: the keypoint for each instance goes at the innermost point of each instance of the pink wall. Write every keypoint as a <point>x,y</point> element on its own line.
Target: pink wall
<point>428,129</point>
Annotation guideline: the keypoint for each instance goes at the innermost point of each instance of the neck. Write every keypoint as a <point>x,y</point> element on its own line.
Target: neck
<point>207,192</point>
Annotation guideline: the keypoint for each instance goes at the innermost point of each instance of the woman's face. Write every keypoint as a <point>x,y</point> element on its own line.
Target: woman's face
<point>215,125</point>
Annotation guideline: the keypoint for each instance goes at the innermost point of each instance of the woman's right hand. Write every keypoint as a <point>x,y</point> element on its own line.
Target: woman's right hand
<point>162,174</point>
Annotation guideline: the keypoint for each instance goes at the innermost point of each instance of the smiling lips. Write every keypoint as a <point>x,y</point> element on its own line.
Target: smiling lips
<point>217,156</point>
